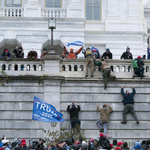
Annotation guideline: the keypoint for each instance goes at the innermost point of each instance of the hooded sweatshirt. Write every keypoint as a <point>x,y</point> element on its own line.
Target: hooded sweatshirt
<point>128,98</point>
<point>137,146</point>
<point>105,113</point>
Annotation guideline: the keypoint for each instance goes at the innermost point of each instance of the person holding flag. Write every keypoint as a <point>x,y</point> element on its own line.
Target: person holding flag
<point>71,54</point>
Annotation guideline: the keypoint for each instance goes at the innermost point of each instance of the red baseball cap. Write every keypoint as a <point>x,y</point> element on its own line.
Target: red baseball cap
<point>6,50</point>
<point>101,134</point>
<point>111,145</point>
<point>139,57</point>
<point>92,139</point>
<point>119,143</point>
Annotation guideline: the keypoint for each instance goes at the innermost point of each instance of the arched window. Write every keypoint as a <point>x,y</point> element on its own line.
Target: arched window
<point>13,3</point>
<point>93,9</point>
<point>53,3</point>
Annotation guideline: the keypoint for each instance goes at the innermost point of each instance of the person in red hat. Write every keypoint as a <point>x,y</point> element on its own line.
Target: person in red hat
<point>119,146</point>
<point>74,114</point>
<point>139,70</point>
<point>6,54</point>
<point>23,145</point>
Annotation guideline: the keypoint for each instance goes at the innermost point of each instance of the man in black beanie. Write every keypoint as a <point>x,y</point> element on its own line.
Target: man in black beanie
<point>74,114</point>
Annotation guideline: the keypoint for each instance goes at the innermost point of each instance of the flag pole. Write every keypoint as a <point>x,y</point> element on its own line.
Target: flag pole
<point>31,129</point>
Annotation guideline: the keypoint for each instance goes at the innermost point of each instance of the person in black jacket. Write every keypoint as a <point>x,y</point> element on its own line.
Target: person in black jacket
<point>127,54</point>
<point>18,52</point>
<point>107,54</point>
<point>139,72</point>
<point>128,102</point>
<point>74,115</point>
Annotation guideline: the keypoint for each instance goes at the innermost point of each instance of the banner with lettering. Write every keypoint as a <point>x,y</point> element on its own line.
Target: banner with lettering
<point>45,112</point>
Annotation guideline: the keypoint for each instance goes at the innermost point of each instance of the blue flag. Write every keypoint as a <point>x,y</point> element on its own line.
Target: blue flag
<point>148,53</point>
<point>93,48</point>
<point>45,112</point>
<point>76,43</point>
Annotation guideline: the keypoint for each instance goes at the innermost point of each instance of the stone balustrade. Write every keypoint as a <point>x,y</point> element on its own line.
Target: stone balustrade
<point>15,67</point>
<point>120,68</point>
<point>11,11</point>
<point>66,67</point>
<point>54,12</point>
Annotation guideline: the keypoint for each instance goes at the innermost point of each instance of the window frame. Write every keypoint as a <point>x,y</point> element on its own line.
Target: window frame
<point>93,12</point>
<point>53,5</point>
<point>13,4</point>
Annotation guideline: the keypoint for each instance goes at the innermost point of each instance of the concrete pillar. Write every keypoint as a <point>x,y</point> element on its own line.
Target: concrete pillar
<point>32,8</point>
<point>75,9</point>
<point>134,8</point>
<point>52,96</point>
<point>113,8</point>
<point>52,65</point>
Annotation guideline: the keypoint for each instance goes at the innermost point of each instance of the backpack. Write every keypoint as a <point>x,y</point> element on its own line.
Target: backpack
<point>104,142</point>
<point>135,63</point>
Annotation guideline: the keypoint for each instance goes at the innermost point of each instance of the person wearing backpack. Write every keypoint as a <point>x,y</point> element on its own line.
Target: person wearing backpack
<point>128,101</point>
<point>104,142</point>
<point>137,65</point>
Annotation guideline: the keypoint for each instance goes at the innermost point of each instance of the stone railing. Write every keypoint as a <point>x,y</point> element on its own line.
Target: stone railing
<point>53,65</point>
<point>11,11</point>
<point>120,68</point>
<point>54,12</point>
<point>16,67</point>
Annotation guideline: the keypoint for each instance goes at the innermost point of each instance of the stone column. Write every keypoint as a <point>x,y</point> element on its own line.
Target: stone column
<point>52,65</point>
<point>52,96</point>
<point>113,16</point>
<point>32,8</point>
<point>52,85</point>
<point>134,8</point>
<point>75,9</point>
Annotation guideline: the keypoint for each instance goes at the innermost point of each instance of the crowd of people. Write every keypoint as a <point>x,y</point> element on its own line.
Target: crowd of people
<point>19,53</point>
<point>91,57</point>
<point>98,143</point>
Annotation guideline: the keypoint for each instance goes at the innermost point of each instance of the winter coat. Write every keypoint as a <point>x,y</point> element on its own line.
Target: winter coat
<point>24,148</point>
<point>105,114</point>
<point>137,146</point>
<point>43,54</point>
<point>73,111</point>
<point>109,55</point>
<point>118,148</point>
<point>72,55</point>
<point>140,62</point>
<point>128,98</point>
<point>4,55</point>
<point>32,55</point>
<point>95,147</point>
<point>19,54</point>
<point>127,55</point>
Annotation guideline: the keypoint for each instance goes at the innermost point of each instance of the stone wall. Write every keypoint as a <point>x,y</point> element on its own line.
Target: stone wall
<point>61,88</point>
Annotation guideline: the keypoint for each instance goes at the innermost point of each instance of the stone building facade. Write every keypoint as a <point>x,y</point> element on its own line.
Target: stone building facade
<point>102,23</point>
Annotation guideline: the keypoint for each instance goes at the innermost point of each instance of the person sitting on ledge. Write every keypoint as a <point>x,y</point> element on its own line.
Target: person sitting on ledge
<point>74,115</point>
<point>139,71</point>
<point>128,101</point>
<point>45,52</point>
<point>71,54</point>
<point>6,54</point>
<point>32,53</point>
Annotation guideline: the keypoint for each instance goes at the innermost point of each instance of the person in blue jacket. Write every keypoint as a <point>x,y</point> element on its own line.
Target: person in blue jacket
<point>128,101</point>
<point>6,54</point>
<point>137,146</point>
